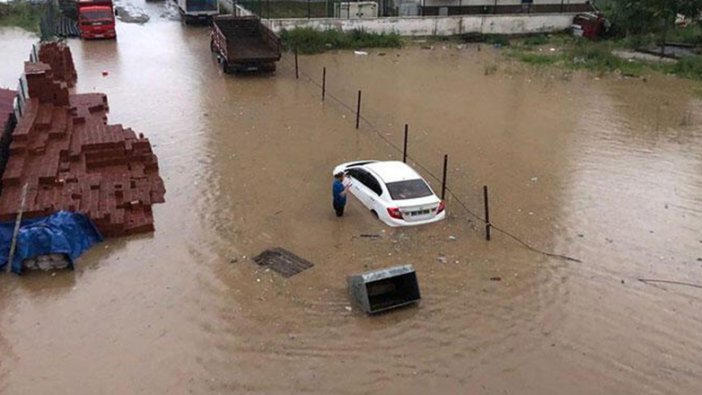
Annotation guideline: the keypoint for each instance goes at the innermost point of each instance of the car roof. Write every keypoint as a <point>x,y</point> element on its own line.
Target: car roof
<point>392,171</point>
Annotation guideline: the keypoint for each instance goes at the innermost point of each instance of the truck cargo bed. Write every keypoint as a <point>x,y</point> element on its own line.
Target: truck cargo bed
<point>250,49</point>
<point>244,43</point>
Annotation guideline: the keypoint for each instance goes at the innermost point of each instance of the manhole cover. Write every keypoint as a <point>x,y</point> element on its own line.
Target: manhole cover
<point>282,261</point>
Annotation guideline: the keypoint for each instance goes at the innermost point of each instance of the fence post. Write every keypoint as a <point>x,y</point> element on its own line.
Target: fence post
<point>297,74</point>
<point>358,110</point>
<point>18,222</point>
<point>488,225</point>
<point>309,12</point>
<point>324,82</point>
<point>404,150</point>
<point>443,181</point>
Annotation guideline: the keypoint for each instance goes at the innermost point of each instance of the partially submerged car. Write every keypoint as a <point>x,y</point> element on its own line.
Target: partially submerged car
<point>393,192</point>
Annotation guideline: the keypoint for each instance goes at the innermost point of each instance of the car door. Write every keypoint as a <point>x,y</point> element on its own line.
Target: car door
<point>374,192</point>
<point>359,186</point>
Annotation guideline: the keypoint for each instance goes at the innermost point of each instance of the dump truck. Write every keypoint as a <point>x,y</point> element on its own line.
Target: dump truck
<point>243,43</point>
<point>96,18</point>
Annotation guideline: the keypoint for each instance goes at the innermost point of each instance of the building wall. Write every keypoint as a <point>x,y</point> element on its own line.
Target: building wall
<point>436,26</point>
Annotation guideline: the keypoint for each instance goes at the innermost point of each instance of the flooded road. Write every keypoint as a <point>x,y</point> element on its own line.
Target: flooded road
<point>606,170</point>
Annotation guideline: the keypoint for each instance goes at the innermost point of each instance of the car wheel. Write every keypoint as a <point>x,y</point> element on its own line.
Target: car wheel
<point>375,213</point>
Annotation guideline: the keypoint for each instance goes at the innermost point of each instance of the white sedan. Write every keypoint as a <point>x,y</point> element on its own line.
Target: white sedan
<point>393,192</point>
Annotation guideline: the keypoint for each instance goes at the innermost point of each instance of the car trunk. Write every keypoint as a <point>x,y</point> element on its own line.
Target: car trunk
<point>419,209</point>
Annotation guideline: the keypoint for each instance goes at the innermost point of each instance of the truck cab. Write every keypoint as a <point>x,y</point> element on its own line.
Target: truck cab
<point>96,19</point>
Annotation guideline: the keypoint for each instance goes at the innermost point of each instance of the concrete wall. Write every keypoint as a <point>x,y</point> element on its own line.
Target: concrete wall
<point>227,7</point>
<point>426,26</point>
<point>436,26</point>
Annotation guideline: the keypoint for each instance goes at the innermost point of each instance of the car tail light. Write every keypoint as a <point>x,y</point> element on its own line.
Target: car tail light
<point>395,213</point>
<point>441,207</point>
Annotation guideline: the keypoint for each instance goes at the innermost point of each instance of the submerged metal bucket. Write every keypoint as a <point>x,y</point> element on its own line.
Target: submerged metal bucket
<point>384,289</point>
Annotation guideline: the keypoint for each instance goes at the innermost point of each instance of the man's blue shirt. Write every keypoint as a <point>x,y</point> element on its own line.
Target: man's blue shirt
<point>337,189</point>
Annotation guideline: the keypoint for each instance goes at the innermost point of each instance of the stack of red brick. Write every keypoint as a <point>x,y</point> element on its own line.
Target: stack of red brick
<point>7,124</point>
<point>63,149</point>
<point>58,56</point>
<point>6,99</point>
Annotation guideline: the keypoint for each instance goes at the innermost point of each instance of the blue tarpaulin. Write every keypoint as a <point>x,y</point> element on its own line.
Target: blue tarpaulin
<point>60,233</point>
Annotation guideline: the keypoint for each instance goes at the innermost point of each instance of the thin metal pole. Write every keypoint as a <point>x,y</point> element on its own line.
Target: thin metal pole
<point>404,150</point>
<point>297,74</point>
<point>308,10</point>
<point>13,245</point>
<point>443,181</point>
<point>324,82</point>
<point>488,225</point>
<point>358,110</point>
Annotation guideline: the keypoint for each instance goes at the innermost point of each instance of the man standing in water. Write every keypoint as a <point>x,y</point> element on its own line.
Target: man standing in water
<point>339,191</point>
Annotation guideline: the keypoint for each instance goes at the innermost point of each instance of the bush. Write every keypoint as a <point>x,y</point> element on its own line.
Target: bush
<point>691,34</point>
<point>21,14</point>
<point>307,40</point>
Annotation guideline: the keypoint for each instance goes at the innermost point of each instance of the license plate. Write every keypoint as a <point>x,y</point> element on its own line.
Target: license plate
<point>420,212</point>
<point>99,36</point>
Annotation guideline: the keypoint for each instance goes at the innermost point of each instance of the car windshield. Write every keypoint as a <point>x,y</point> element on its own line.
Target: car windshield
<point>201,5</point>
<point>96,15</point>
<point>410,189</point>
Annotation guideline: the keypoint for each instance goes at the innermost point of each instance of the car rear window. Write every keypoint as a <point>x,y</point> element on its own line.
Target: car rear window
<point>410,189</point>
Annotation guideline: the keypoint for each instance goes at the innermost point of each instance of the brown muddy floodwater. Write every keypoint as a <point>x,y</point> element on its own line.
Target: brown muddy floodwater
<point>607,170</point>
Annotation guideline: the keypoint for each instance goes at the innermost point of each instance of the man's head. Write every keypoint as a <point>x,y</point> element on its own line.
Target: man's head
<point>339,176</point>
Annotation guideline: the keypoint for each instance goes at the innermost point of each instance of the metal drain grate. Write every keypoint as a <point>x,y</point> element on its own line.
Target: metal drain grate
<point>282,261</point>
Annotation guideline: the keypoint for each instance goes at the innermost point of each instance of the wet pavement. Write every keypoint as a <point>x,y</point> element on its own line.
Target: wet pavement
<point>607,170</point>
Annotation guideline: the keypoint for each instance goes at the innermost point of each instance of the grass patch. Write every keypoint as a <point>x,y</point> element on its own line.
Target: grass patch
<point>21,14</point>
<point>308,41</point>
<point>537,59</point>
<point>497,39</point>
<point>585,55</point>
<point>532,41</point>
<point>598,57</point>
<point>689,67</point>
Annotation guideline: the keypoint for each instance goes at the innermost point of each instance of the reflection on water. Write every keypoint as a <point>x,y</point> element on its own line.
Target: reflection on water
<point>604,170</point>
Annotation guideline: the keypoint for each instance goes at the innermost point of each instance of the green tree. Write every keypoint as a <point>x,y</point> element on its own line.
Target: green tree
<point>648,16</point>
